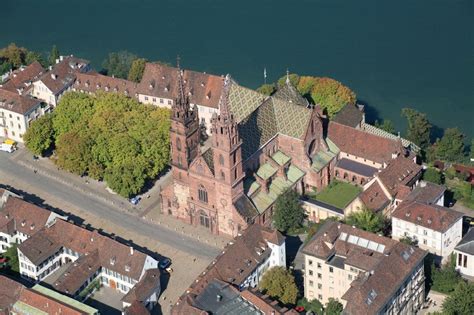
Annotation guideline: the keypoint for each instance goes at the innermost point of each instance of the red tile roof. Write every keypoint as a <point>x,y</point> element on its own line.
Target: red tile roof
<point>9,293</point>
<point>46,304</point>
<point>93,82</point>
<point>374,197</point>
<point>21,104</point>
<point>402,171</point>
<point>430,216</point>
<point>147,285</point>
<point>362,144</point>
<point>23,78</point>
<point>63,74</point>
<point>22,216</point>
<point>161,81</point>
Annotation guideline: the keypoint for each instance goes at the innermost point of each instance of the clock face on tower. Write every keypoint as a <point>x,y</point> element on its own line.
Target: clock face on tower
<point>223,202</point>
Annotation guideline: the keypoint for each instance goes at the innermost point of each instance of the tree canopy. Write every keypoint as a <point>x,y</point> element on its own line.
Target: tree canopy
<point>279,283</point>
<point>12,57</point>
<point>40,135</point>
<point>446,278</point>
<point>461,301</point>
<point>419,128</point>
<point>450,147</point>
<point>106,136</point>
<point>367,220</point>
<point>118,64</point>
<point>333,307</point>
<point>289,214</point>
<point>136,70</point>
<point>386,125</point>
<point>267,89</point>
<point>53,55</point>
<point>433,175</point>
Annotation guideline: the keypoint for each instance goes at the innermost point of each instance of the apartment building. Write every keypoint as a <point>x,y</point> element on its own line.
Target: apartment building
<point>17,112</point>
<point>21,80</point>
<point>92,82</point>
<point>59,79</point>
<point>159,87</point>
<point>355,266</point>
<point>435,228</point>
<point>464,254</point>
<point>19,219</point>
<point>239,268</point>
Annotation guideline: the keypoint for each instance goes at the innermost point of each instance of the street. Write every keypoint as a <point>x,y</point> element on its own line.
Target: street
<point>191,249</point>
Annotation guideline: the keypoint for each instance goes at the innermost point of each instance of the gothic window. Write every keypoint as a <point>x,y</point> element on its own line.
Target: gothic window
<point>202,192</point>
<point>354,178</point>
<point>312,127</point>
<point>221,159</point>
<point>235,157</point>
<point>235,173</point>
<point>179,160</point>
<point>204,219</point>
<point>178,144</point>
<point>222,175</point>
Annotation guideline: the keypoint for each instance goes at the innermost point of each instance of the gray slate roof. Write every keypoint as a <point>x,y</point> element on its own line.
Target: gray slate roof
<point>466,245</point>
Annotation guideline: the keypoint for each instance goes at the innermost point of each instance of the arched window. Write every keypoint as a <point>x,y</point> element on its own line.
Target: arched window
<point>312,127</point>
<point>179,160</point>
<point>345,175</point>
<point>354,179</point>
<point>221,159</point>
<point>204,219</point>
<point>337,173</point>
<point>222,175</point>
<point>202,192</point>
<point>178,144</point>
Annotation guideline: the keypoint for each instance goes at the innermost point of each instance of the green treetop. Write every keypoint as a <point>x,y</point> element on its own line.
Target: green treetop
<point>40,135</point>
<point>461,301</point>
<point>279,283</point>
<point>333,307</point>
<point>289,214</point>
<point>450,147</point>
<point>419,128</point>
<point>366,220</point>
<point>53,55</point>
<point>136,70</point>
<point>118,64</point>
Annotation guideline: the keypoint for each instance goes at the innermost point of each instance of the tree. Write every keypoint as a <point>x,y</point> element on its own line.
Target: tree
<point>446,278</point>
<point>419,128</point>
<point>289,214</point>
<point>311,306</point>
<point>136,70</point>
<point>333,307</point>
<point>40,135</point>
<point>409,240</point>
<point>128,177</point>
<point>32,56</point>
<point>73,152</point>
<point>118,64</point>
<point>12,255</point>
<point>450,147</point>
<point>386,125</point>
<point>267,89</point>
<point>14,55</point>
<point>433,175</point>
<point>461,301</point>
<point>279,283</point>
<point>53,55</point>
<point>331,95</point>
<point>294,79</point>
<point>366,220</point>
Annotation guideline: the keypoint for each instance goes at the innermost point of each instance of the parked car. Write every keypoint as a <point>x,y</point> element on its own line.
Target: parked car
<point>135,200</point>
<point>165,263</point>
<point>7,147</point>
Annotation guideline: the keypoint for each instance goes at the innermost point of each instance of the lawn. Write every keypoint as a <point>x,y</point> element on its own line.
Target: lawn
<point>337,194</point>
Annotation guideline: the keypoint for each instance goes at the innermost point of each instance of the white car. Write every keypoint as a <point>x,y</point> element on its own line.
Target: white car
<point>7,147</point>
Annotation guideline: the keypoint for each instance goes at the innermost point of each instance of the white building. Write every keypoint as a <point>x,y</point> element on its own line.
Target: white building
<point>20,219</point>
<point>59,79</point>
<point>367,273</point>
<point>464,253</point>
<point>17,111</point>
<point>436,229</point>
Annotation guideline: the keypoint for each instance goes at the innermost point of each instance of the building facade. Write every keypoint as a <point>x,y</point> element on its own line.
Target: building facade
<point>464,255</point>
<point>354,267</point>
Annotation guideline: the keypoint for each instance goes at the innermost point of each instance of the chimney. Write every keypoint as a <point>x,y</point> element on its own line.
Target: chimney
<point>219,298</point>
<point>53,76</point>
<point>50,68</point>
<point>131,250</point>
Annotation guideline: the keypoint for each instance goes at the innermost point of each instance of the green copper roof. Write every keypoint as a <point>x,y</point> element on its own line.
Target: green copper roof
<point>278,185</point>
<point>24,308</point>
<point>266,171</point>
<point>281,158</point>
<point>65,299</point>
<point>322,157</point>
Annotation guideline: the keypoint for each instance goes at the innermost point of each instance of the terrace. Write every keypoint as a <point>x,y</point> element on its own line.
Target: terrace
<point>337,194</point>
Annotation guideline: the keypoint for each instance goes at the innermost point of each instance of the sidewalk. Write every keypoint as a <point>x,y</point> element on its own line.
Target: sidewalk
<point>148,208</point>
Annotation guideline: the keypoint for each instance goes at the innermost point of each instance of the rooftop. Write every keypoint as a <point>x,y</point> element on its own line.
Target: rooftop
<point>466,245</point>
<point>14,102</point>
<point>337,194</point>
<point>356,167</point>
<point>350,115</point>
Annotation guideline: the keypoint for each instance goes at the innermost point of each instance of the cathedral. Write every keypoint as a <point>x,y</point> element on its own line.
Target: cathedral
<point>259,147</point>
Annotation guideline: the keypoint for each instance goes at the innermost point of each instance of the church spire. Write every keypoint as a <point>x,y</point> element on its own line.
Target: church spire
<point>182,100</point>
<point>287,76</point>
<point>224,100</point>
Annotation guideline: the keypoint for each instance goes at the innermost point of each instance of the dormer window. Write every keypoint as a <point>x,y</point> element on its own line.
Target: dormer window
<point>127,268</point>
<point>32,226</point>
<point>113,260</point>
<point>166,89</point>
<point>202,84</point>
<point>23,223</point>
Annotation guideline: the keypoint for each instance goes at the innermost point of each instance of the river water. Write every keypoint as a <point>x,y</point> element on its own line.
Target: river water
<point>393,54</point>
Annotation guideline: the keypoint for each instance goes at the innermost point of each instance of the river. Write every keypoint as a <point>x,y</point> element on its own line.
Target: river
<point>393,54</point>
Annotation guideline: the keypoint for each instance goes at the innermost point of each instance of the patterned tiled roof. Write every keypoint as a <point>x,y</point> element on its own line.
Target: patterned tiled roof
<point>209,159</point>
<point>290,94</point>
<point>243,101</point>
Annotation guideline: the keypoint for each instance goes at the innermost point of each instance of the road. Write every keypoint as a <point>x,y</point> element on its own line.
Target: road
<point>13,173</point>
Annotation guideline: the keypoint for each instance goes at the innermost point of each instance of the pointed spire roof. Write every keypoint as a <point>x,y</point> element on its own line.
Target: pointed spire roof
<point>289,93</point>
<point>182,99</point>
<point>224,100</point>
